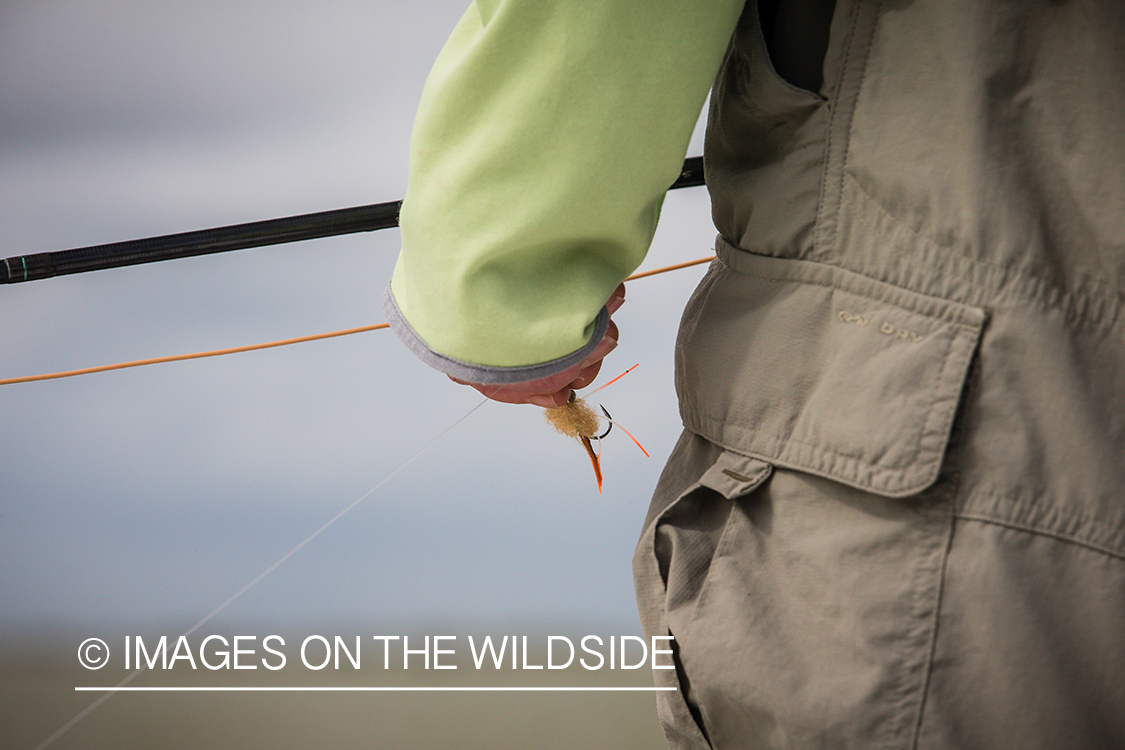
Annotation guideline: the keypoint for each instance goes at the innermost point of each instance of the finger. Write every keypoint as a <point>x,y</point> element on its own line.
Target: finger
<point>553,390</point>
<point>503,394</point>
<point>592,365</point>
<point>617,299</point>
<point>550,400</point>
<point>588,375</point>
<point>546,392</point>
<point>604,347</point>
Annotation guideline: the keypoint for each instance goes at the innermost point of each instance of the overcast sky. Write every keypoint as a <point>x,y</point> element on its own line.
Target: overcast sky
<point>150,495</point>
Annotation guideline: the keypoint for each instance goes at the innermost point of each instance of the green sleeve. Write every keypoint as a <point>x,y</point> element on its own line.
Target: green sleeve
<point>547,135</point>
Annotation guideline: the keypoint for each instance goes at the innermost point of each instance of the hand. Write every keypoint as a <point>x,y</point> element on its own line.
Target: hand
<point>554,390</point>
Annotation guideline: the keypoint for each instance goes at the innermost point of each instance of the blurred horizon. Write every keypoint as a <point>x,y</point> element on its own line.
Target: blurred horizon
<point>140,500</point>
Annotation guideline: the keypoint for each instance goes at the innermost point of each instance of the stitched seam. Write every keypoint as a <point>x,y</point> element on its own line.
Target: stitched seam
<point>1070,299</point>
<point>829,141</point>
<point>922,429</point>
<point>952,249</point>
<point>851,113</point>
<point>879,207</point>
<point>1042,532</point>
<point>830,285</point>
<point>768,458</point>
<point>814,446</point>
<point>946,361</point>
<point>1027,501</point>
<point>805,147</point>
<point>938,600</point>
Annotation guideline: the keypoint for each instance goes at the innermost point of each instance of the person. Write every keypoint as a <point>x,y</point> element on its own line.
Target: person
<point>896,516</point>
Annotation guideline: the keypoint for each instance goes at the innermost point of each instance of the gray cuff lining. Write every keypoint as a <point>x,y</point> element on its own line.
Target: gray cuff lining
<point>485,374</point>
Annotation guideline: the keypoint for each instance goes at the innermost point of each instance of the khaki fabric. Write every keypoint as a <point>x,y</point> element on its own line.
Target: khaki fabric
<point>896,518</point>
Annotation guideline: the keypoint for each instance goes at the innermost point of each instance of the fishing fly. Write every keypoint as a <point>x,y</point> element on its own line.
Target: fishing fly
<point>576,419</point>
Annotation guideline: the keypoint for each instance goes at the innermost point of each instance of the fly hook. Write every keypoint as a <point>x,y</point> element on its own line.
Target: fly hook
<point>577,420</point>
<point>609,421</point>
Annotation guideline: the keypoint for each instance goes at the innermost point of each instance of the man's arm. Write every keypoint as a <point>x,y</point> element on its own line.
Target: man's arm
<point>546,138</point>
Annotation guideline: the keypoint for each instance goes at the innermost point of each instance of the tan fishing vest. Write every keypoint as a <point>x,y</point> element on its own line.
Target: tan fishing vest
<point>935,237</point>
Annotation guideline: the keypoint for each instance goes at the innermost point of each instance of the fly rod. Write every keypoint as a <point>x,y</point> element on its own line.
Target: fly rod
<point>235,237</point>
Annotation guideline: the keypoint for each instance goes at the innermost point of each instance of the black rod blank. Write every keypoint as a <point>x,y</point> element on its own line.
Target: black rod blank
<point>236,237</point>
<point>200,242</point>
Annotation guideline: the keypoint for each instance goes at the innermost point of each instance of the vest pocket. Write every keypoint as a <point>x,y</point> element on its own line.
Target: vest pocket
<point>795,34</point>
<point>817,369</point>
<point>672,565</point>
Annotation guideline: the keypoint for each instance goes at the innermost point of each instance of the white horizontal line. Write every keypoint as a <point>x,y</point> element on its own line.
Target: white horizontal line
<point>353,689</point>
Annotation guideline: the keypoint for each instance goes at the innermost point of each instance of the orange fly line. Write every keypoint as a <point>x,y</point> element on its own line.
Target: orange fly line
<point>272,344</point>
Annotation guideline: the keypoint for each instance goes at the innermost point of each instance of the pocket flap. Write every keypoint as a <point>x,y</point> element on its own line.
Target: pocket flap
<point>815,368</point>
